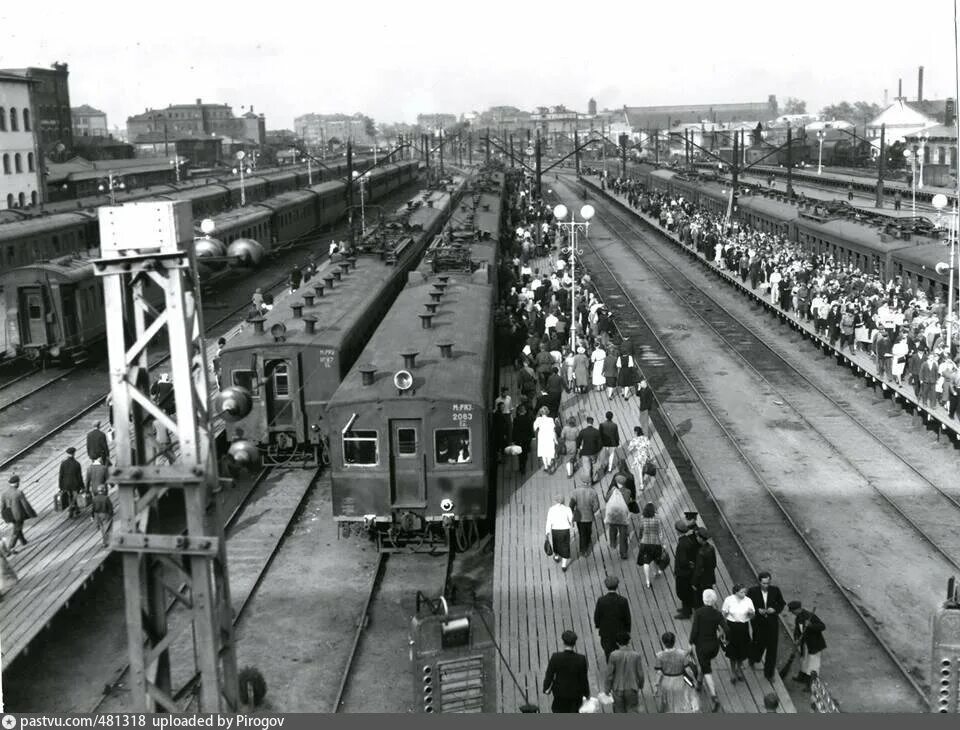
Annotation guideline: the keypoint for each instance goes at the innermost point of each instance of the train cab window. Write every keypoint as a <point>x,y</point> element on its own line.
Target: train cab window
<point>281,381</point>
<point>360,448</point>
<point>245,379</point>
<point>453,446</point>
<point>406,442</point>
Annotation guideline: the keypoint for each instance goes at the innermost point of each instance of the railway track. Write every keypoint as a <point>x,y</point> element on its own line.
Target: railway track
<point>26,386</point>
<point>757,508</point>
<point>382,632</point>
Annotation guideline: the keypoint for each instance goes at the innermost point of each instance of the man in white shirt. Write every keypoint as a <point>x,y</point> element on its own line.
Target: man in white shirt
<point>550,323</point>
<point>506,400</point>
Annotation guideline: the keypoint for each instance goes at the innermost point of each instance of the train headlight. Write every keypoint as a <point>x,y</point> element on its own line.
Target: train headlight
<point>447,505</point>
<point>54,350</point>
<point>244,452</point>
<point>235,403</point>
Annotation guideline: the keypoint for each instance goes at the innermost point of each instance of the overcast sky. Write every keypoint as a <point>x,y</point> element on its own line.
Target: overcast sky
<point>391,60</point>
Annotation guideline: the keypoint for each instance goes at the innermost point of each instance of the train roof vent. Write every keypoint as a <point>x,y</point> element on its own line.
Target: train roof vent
<point>337,275</point>
<point>318,288</point>
<point>310,325</point>
<point>426,320</point>
<point>329,280</point>
<point>435,295</point>
<point>446,350</point>
<point>409,359</point>
<point>344,267</point>
<point>258,324</point>
<point>297,308</point>
<point>308,299</point>
<point>432,307</point>
<point>367,374</point>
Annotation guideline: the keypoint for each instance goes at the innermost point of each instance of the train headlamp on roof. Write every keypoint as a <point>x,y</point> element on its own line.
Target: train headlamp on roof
<point>278,332</point>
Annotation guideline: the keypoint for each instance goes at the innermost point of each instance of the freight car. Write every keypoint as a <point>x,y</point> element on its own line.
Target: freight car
<point>410,458</point>
<point>275,222</point>
<point>292,360</point>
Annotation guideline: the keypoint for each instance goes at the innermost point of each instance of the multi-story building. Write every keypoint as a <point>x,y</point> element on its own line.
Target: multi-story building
<point>667,117</point>
<point>178,121</point>
<point>20,183</point>
<point>436,121</point>
<point>50,107</point>
<point>317,130</point>
<point>89,122</point>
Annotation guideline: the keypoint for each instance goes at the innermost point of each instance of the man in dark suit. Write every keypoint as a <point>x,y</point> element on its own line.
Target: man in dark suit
<point>589,445</point>
<point>585,504</point>
<point>71,479</point>
<point>612,615</point>
<point>610,438</point>
<point>566,676</point>
<point>685,561</point>
<point>808,633</point>
<point>704,567</point>
<point>768,603</point>
<point>929,372</point>
<point>97,446</point>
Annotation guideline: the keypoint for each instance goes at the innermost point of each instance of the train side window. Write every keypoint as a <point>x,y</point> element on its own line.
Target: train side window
<point>452,446</point>
<point>281,381</point>
<point>245,379</point>
<point>360,448</point>
<point>406,442</point>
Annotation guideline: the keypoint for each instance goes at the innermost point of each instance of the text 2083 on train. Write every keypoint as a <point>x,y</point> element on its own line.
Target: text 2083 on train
<point>410,457</point>
<point>56,307</point>
<point>292,360</point>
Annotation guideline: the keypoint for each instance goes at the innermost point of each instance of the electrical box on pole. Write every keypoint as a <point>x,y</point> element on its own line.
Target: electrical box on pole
<point>945,659</point>
<point>148,257</point>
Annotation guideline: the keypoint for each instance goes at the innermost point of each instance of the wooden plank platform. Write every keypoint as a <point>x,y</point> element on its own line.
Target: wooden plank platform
<point>534,601</point>
<point>63,553</point>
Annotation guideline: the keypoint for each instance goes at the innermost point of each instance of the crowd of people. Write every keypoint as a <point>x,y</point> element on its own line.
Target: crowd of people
<point>533,330</point>
<point>901,328</point>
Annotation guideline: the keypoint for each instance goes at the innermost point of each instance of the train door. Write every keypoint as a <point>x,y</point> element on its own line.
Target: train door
<point>68,304</point>
<point>407,486</point>
<point>34,321</point>
<point>279,405</point>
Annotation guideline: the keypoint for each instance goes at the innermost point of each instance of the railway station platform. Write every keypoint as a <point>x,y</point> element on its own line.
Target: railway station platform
<point>64,554</point>
<point>864,365</point>
<point>535,601</point>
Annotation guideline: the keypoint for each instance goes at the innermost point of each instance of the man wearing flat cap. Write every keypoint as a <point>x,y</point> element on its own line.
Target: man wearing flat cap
<point>611,616</point>
<point>15,510</point>
<point>71,480</point>
<point>685,561</point>
<point>566,676</point>
<point>97,446</point>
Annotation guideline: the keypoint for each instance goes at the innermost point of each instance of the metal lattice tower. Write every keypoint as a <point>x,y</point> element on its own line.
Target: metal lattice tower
<point>151,295</point>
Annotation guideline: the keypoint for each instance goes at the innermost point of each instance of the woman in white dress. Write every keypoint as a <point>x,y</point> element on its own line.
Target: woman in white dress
<point>546,432</point>
<point>597,358</point>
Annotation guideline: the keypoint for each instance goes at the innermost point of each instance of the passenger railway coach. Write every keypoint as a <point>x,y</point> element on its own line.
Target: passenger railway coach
<point>292,360</point>
<point>868,241</point>
<point>410,458</point>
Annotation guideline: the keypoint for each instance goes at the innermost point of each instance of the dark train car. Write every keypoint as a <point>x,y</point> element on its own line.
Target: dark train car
<point>38,239</point>
<point>293,360</point>
<point>769,215</point>
<point>848,241</point>
<point>52,309</point>
<point>917,267</point>
<point>409,454</point>
<point>281,181</point>
<point>206,200</point>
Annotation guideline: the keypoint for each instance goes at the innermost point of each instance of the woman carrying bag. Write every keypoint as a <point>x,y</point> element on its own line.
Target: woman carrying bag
<point>673,687</point>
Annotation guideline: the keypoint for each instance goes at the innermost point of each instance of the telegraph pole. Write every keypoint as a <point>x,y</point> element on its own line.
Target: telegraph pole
<point>623,154</point>
<point>537,153</point>
<point>488,145</point>
<point>350,187</point>
<point>656,144</point>
<point>470,146</point>
<point>734,169</point>
<point>789,162</point>
<point>576,149</point>
<point>512,161</point>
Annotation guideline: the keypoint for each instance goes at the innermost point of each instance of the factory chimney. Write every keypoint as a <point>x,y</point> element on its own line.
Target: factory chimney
<point>920,84</point>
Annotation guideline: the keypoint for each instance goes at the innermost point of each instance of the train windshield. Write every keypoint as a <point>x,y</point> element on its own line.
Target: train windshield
<point>453,446</point>
<point>360,448</point>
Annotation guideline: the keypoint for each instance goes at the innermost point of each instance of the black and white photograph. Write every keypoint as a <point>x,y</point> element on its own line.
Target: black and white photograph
<point>506,357</point>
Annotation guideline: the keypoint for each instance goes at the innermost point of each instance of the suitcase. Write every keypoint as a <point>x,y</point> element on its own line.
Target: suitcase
<point>61,501</point>
<point>83,499</point>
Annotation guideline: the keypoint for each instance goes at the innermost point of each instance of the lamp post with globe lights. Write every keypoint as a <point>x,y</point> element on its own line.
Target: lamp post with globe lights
<point>240,168</point>
<point>820,136</point>
<point>560,213</point>
<point>111,183</point>
<point>363,218</point>
<point>912,157</point>
<point>940,202</point>
<point>177,163</point>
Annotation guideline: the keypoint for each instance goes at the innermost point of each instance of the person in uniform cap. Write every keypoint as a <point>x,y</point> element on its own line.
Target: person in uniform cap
<point>705,566</point>
<point>102,513</point>
<point>611,616</point>
<point>97,447</point>
<point>71,480</point>
<point>566,676</point>
<point>808,633</point>
<point>15,509</point>
<point>685,561</point>
<point>771,702</point>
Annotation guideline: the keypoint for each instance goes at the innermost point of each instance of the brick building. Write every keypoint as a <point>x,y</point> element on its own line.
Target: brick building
<point>50,107</point>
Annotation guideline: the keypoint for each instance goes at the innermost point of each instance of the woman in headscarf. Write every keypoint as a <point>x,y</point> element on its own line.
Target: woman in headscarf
<point>545,428</point>
<point>638,452</point>
<point>708,626</point>
<point>672,689</point>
